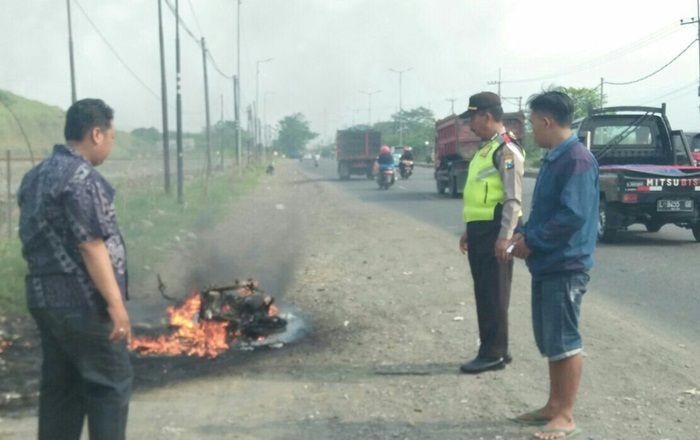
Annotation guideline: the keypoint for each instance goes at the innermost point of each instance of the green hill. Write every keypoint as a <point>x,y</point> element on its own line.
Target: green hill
<point>43,125</point>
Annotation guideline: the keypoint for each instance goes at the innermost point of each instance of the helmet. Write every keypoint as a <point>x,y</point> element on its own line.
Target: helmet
<point>385,149</point>
<point>407,148</point>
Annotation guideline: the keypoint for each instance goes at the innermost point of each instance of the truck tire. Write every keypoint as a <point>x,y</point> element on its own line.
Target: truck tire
<point>440,186</point>
<point>653,226</point>
<point>454,191</point>
<point>696,231</point>
<point>606,233</point>
<point>343,171</point>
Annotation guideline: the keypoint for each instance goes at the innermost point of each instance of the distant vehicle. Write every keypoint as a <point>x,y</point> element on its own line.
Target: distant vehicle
<point>356,151</point>
<point>694,144</point>
<point>647,172</point>
<point>397,157</point>
<point>455,145</point>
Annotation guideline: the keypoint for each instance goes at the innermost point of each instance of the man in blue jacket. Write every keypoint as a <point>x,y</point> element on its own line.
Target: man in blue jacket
<point>558,241</point>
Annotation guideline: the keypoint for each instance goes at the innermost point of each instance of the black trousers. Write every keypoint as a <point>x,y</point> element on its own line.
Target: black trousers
<point>82,374</point>
<point>492,281</point>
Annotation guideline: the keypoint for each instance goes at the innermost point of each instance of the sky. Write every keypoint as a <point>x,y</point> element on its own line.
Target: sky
<point>324,53</point>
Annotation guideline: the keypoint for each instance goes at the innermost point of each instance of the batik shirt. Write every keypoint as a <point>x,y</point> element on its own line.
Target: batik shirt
<point>64,202</point>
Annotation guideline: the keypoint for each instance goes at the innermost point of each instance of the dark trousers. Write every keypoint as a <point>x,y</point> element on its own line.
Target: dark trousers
<point>492,282</point>
<point>82,374</point>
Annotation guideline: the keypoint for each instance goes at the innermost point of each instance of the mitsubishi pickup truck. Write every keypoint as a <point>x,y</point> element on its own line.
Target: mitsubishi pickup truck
<point>648,174</point>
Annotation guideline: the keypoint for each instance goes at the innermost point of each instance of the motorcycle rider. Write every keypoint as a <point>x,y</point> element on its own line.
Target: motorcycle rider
<point>385,158</point>
<point>407,154</point>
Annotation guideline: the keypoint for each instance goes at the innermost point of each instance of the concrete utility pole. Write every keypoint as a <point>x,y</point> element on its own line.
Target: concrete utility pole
<point>602,82</point>
<point>206,105</point>
<point>237,88</point>
<point>497,82</point>
<point>400,72</point>
<point>695,20</point>
<point>178,109</point>
<point>70,54</point>
<point>452,104</point>
<point>257,97</point>
<point>164,102</point>
<point>369,105</point>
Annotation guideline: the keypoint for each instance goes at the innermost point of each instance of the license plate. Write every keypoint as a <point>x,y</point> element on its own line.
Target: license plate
<point>674,205</point>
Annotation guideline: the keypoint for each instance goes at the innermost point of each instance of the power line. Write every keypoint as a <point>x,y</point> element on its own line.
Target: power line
<point>654,72</point>
<point>194,15</point>
<point>197,40</point>
<point>114,51</point>
<point>672,92</point>
<point>660,33</point>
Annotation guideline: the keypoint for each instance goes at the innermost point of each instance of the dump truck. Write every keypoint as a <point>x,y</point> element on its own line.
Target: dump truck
<point>455,145</point>
<point>356,150</point>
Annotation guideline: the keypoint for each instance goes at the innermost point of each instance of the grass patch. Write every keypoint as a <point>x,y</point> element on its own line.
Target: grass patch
<point>150,221</point>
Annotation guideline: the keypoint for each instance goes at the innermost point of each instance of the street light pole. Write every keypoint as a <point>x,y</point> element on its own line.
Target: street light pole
<point>256,124</point>
<point>400,72</point>
<point>70,54</point>
<point>369,104</point>
<point>237,88</point>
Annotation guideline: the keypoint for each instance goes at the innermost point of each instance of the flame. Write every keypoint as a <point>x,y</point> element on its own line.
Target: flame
<point>192,336</point>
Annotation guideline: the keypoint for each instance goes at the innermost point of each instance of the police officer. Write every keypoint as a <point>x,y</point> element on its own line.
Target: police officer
<point>492,210</point>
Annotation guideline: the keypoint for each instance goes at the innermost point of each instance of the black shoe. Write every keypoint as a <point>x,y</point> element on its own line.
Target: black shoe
<point>479,365</point>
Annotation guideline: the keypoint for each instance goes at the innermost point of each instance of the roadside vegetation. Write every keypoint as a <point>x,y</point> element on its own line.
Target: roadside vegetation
<point>152,223</point>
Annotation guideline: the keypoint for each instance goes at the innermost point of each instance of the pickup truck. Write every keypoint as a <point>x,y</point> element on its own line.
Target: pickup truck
<point>647,172</point>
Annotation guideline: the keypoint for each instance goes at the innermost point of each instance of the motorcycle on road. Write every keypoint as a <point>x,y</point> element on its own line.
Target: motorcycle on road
<point>405,168</point>
<point>385,177</point>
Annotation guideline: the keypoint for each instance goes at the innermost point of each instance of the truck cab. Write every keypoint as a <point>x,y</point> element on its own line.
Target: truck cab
<point>648,174</point>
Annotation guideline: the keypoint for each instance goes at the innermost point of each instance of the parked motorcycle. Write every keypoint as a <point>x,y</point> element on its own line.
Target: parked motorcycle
<point>385,177</point>
<point>406,168</point>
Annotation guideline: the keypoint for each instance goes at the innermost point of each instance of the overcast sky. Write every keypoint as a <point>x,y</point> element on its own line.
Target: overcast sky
<point>324,52</point>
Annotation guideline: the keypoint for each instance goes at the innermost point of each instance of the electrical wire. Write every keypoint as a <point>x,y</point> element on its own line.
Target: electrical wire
<point>194,15</point>
<point>114,51</point>
<point>663,32</point>
<point>682,88</point>
<point>654,72</point>
<point>196,39</point>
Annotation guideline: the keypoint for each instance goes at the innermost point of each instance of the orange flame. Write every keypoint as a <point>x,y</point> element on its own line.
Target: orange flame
<point>192,336</point>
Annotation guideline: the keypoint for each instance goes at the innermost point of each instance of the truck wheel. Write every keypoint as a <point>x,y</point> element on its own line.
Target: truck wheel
<point>696,231</point>
<point>343,171</point>
<point>653,226</point>
<point>454,192</point>
<point>440,186</point>
<point>606,233</point>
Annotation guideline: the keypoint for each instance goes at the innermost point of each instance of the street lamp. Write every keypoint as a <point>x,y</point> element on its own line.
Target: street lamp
<point>369,104</point>
<point>257,88</point>
<point>401,72</point>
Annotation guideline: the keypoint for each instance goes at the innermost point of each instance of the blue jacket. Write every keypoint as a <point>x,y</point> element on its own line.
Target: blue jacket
<point>562,228</point>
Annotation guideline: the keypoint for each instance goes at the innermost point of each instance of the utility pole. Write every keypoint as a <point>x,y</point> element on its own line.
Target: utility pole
<point>178,108</point>
<point>206,105</point>
<point>70,54</point>
<point>164,102</point>
<point>695,20</point>
<point>452,104</point>
<point>221,135</point>
<point>236,88</point>
<point>369,105</point>
<point>602,82</point>
<point>497,82</point>
<point>400,72</point>
<point>257,97</point>
<point>237,118</point>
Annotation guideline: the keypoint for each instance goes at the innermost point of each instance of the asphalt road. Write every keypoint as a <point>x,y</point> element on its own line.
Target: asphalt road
<point>650,275</point>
